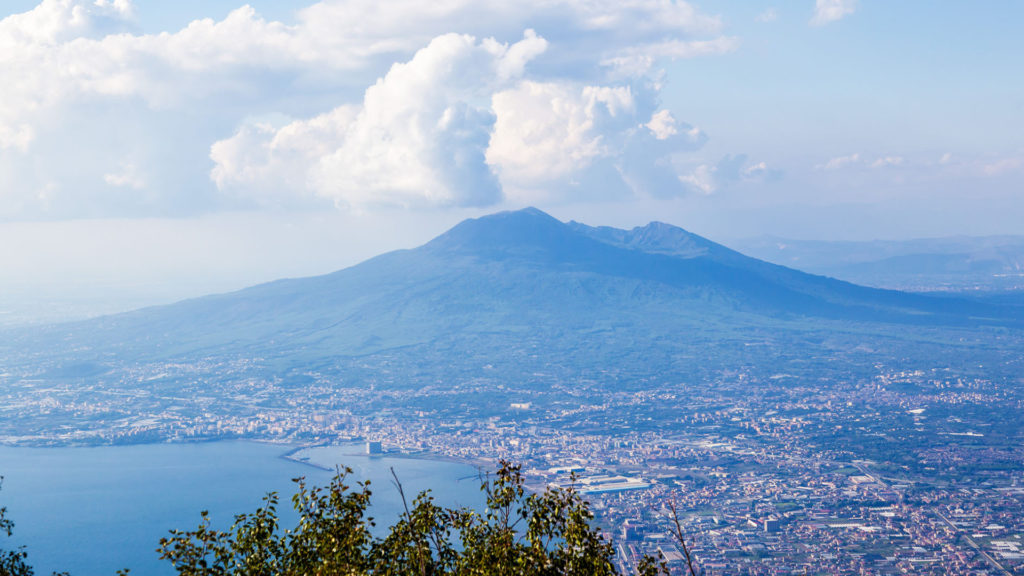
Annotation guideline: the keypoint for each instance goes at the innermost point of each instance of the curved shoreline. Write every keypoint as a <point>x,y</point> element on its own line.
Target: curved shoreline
<point>291,456</point>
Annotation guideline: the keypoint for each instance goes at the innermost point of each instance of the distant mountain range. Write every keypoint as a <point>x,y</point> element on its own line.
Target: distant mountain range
<point>994,263</point>
<point>519,289</point>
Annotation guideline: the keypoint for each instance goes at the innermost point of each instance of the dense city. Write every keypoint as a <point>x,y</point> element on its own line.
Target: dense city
<point>904,471</point>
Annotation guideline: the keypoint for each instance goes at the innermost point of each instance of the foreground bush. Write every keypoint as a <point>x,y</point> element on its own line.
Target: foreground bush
<point>518,534</point>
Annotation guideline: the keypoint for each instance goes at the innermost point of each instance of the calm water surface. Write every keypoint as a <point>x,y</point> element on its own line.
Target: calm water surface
<point>92,511</point>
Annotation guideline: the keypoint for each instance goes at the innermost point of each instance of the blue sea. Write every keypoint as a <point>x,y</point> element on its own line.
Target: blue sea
<point>92,511</point>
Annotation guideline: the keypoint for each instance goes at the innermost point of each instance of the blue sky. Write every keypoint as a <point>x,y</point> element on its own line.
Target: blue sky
<point>204,145</point>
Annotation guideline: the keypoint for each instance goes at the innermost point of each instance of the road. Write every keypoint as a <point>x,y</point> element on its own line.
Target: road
<point>974,544</point>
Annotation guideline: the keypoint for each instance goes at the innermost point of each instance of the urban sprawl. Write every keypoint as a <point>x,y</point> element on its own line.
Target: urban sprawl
<point>899,471</point>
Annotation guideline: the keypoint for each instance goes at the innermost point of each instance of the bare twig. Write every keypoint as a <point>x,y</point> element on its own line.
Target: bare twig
<point>401,492</point>
<point>408,518</point>
<point>679,536</point>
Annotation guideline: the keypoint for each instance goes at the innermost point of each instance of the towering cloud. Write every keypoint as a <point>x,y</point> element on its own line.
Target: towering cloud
<point>99,119</point>
<point>418,138</point>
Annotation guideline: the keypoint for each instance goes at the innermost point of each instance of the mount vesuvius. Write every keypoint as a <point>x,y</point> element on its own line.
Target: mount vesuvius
<point>528,293</point>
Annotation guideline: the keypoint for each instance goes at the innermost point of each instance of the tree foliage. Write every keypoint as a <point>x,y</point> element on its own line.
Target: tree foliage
<point>519,533</point>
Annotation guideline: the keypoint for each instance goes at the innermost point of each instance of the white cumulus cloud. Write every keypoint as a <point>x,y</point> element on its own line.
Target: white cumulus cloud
<point>702,179</point>
<point>271,164</point>
<point>826,11</point>
<point>548,131</point>
<point>86,96</point>
<point>417,139</point>
<point>563,140</point>
<point>731,169</point>
<point>460,125</point>
<point>662,125</point>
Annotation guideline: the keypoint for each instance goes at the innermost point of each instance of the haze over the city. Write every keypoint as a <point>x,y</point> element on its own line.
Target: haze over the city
<point>151,151</point>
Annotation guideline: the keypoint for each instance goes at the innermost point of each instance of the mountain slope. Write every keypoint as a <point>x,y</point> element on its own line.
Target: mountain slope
<point>492,280</point>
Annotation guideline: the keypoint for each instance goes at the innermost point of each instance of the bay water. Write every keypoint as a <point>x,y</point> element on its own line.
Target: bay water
<point>92,511</point>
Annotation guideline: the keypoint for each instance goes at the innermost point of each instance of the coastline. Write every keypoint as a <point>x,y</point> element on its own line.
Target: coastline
<point>351,449</point>
<point>131,496</point>
<point>290,454</point>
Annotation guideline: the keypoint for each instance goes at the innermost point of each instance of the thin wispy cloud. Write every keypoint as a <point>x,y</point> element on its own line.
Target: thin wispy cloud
<point>639,60</point>
<point>769,15</point>
<point>840,162</point>
<point>887,161</point>
<point>1003,166</point>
